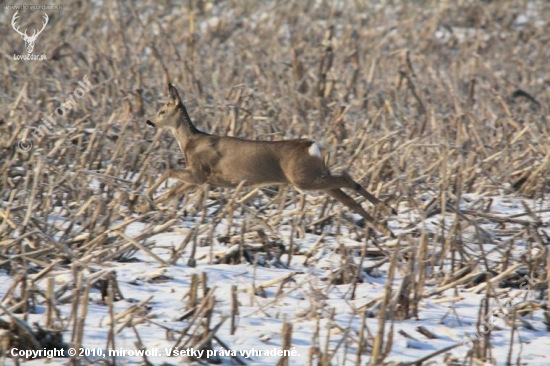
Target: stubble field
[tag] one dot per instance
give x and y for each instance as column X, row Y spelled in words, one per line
column 438, row 108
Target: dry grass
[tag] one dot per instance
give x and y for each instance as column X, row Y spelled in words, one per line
column 422, row 102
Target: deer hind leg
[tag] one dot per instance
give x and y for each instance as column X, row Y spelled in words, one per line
column 363, row 192
column 341, row 181
column 349, row 202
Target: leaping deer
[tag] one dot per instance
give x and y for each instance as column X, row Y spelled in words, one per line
column 225, row 161
column 29, row 41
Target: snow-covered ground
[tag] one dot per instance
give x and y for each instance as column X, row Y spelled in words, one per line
column 306, row 300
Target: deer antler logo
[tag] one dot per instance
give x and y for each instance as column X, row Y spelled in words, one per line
column 29, row 41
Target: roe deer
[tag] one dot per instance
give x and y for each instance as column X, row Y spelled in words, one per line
column 225, row 161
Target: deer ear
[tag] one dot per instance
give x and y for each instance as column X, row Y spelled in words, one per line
column 174, row 95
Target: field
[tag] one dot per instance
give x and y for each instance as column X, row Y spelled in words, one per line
column 439, row 108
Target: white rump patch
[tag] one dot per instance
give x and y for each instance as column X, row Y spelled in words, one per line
column 315, row 149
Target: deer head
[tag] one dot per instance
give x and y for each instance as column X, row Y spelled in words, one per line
column 173, row 115
column 29, row 41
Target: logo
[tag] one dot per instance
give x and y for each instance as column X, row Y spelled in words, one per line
column 29, row 40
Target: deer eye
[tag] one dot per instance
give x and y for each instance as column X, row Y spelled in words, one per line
column 161, row 112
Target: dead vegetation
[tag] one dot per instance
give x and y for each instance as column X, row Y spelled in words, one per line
column 439, row 108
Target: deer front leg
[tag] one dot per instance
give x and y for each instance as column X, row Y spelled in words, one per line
column 188, row 178
column 176, row 191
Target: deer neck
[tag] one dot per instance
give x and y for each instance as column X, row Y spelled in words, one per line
column 184, row 131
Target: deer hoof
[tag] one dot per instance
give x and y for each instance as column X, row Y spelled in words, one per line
column 144, row 207
column 384, row 207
